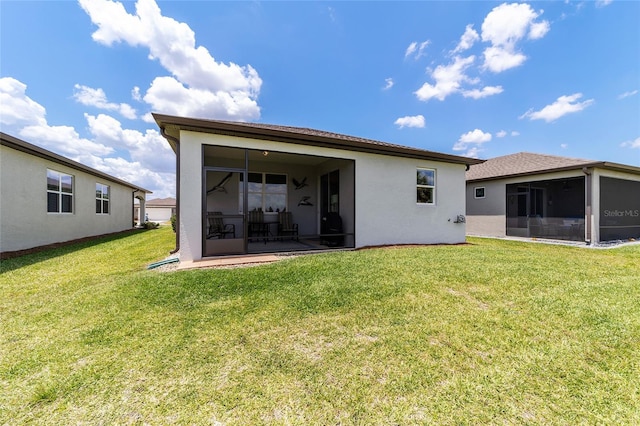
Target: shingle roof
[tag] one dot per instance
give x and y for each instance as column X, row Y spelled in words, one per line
column 526, row 163
column 302, row 135
column 161, row 202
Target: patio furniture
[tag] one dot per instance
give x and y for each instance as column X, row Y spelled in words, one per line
column 257, row 226
column 286, row 227
column 217, row 227
column 331, row 231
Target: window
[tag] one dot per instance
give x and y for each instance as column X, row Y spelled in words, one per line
column 59, row 192
column 102, row 199
column 267, row 191
column 479, row 192
column 426, row 186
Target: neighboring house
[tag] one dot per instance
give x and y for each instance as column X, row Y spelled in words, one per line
column 47, row 198
column 235, row 179
column 158, row 210
column 545, row 196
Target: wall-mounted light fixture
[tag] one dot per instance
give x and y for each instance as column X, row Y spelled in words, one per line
column 265, row 153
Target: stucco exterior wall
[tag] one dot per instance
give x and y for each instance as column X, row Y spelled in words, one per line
column 486, row 216
column 24, row 221
column 159, row 214
column 386, row 211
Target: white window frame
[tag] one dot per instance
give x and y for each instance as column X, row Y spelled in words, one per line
column 59, row 192
column 432, row 187
column 264, row 191
column 100, row 196
column 475, row 192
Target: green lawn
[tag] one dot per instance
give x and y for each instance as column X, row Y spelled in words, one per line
column 492, row 332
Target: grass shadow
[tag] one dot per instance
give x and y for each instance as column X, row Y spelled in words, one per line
column 40, row 254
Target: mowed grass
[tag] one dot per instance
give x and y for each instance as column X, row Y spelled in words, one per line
column 492, row 332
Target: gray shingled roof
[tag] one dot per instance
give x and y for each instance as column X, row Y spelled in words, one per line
column 526, row 163
column 302, row 135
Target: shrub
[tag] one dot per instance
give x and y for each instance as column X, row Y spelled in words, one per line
column 173, row 222
column 151, row 225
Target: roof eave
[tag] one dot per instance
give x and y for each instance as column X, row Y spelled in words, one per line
column 240, row 130
column 23, row 146
column 595, row 164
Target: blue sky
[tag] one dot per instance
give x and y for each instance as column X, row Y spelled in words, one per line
column 480, row 78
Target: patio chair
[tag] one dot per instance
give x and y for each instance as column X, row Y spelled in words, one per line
column 217, row 227
column 257, row 226
column 286, row 227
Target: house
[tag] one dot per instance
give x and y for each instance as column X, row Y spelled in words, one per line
column 48, row 199
column 252, row 188
column 157, row 210
column 546, row 196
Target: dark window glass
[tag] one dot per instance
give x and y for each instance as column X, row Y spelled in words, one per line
column 105, row 207
column 67, row 202
column 52, row 202
column 425, row 195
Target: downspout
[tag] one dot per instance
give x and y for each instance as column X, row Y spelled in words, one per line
column 588, row 202
column 133, row 207
column 177, row 142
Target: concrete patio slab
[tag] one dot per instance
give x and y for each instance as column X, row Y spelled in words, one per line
column 229, row 261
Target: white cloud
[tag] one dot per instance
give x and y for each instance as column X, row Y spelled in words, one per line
column 16, row 108
column 627, row 94
column 498, row 59
column 410, row 49
column 149, row 149
column 603, row 3
column 501, row 134
column 97, row 98
column 482, row 93
column 416, row 49
column 473, row 152
column 475, row 136
column 564, row 145
column 634, row 144
column 152, row 163
column 135, row 94
column 23, row 116
column 515, row 133
column 410, row 121
column 203, row 87
column 388, row 83
column 467, row 39
column 503, row 28
column 64, row 140
column 472, row 141
column 447, row 78
column 562, row 106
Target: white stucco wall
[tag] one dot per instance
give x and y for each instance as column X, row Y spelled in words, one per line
column 386, row 211
column 24, row 221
